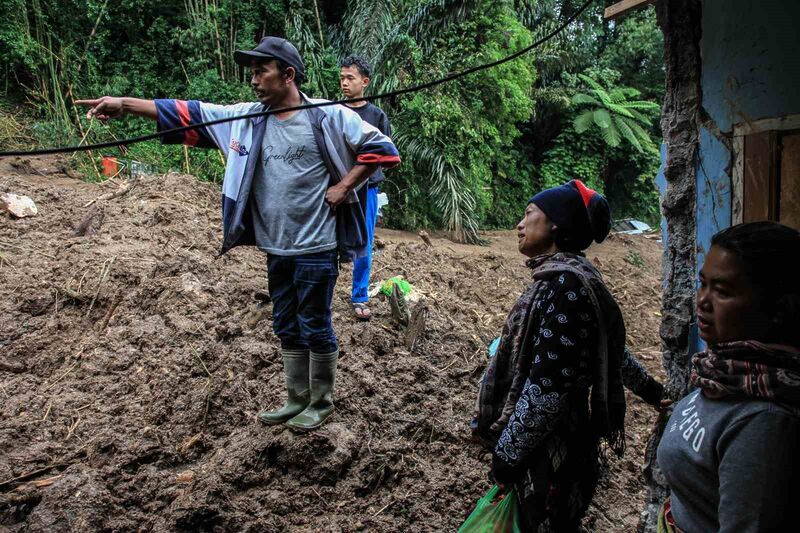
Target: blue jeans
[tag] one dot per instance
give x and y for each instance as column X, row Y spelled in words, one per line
column 301, row 288
column 363, row 265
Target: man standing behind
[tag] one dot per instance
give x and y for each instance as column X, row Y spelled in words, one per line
column 289, row 188
column 354, row 77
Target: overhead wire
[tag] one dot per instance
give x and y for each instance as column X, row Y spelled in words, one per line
column 391, row 94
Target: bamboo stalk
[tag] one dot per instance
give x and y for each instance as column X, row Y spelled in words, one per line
column 92, row 34
column 319, row 24
column 186, row 158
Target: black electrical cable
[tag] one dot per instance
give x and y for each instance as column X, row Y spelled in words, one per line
column 455, row 75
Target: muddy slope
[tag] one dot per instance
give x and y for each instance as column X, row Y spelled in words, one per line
column 133, row 363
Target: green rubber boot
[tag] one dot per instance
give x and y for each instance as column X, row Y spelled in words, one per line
column 295, row 369
column 323, row 375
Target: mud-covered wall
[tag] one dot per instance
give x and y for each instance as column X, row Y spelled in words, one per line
column 680, row 21
column 744, row 67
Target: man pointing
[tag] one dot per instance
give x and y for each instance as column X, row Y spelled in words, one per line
column 289, row 188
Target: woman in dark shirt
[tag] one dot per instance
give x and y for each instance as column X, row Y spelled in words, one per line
column 729, row 452
column 564, row 337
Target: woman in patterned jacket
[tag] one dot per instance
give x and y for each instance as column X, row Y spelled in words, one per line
column 554, row 390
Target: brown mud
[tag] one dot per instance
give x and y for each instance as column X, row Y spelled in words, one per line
column 133, row 363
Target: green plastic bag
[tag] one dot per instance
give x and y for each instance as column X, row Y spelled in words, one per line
column 404, row 286
column 488, row 517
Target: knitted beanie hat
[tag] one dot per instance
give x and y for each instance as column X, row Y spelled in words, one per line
column 580, row 214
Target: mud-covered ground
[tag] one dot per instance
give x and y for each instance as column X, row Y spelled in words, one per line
column 133, row 363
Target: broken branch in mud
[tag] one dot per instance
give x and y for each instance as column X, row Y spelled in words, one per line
column 47, row 413
column 323, row 500
column 91, row 222
column 192, row 441
column 64, row 464
column 425, row 237
column 111, row 309
column 416, row 325
column 72, row 429
column 209, row 385
column 40, row 483
column 124, row 189
column 383, row 508
column 103, row 275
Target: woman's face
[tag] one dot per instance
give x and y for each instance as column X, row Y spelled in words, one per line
column 727, row 303
column 534, row 232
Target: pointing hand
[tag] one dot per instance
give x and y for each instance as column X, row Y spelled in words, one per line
column 103, row 108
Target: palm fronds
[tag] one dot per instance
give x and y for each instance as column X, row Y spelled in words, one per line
column 456, row 202
column 311, row 50
column 365, row 24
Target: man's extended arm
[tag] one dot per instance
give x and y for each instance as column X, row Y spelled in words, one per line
column 109, row 107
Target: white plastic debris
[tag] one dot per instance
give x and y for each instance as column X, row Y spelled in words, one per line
column 382, row 201
column 17, row 205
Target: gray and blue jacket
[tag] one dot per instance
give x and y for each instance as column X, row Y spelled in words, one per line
column 343, row 139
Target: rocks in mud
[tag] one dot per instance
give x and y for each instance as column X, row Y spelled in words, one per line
column 17, row 205
column 192, row 288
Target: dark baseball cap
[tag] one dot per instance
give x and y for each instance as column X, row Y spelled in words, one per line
column 273, row 48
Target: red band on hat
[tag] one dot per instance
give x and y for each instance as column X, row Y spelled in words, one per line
column 586, row 192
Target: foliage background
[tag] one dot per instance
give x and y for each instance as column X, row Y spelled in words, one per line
column 474, row 150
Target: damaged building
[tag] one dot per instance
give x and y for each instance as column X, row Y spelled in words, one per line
column 731, row 153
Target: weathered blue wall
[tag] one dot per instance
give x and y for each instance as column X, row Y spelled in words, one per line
column 751, row 71
column 751, row 65
column 713, row 191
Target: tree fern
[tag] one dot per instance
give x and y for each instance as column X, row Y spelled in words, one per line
column 602, row 118
column 583, row 121
column 615, row 116
column 611, row 135
column 627, row 133
column 581, row 98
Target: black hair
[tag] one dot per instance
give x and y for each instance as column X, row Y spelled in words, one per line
column 283, row 66
column 565, row 240
column 769, row 252
column 359, row 62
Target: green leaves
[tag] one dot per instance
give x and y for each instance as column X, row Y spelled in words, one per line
column 473, row 150
column 627, row 133
column 616, row 117
column 583, row 121
column 456, row 139
column 602, row 118
column 581, row 98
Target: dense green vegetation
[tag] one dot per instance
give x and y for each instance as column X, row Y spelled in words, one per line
column 474, row 150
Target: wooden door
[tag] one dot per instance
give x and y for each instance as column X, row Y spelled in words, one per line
column 789, row 198
column 760, row 176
